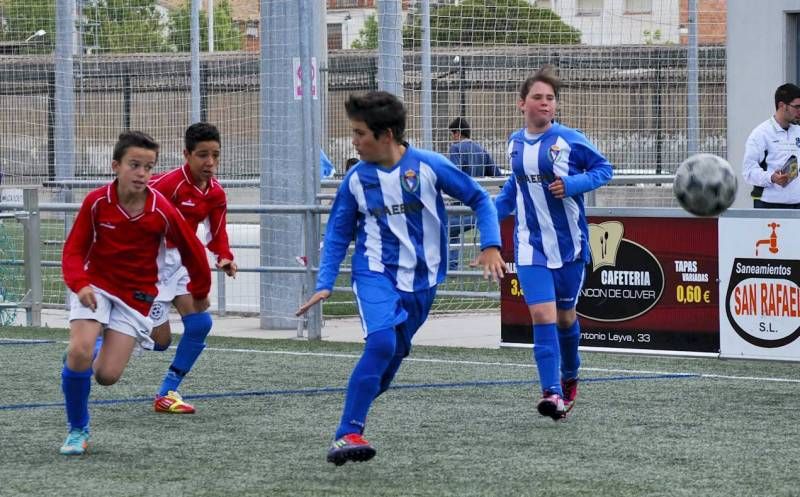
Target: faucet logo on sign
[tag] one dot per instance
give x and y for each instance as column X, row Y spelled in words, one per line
column 772, row 241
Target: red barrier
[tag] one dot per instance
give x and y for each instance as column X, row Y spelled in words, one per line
column 651, row 284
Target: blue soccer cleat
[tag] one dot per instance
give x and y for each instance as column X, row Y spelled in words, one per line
column 77, row 442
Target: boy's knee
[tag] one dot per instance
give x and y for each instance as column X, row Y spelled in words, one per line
column 106, row 378
column 197, row 326
column 79, row 358
column 382, row 344
column 564, row 323
column 161, row 336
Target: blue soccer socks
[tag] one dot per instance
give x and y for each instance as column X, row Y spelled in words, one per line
column 365, row 381
column 195, row 330
column 569, row 339
column 546, row 353
column 76, row 386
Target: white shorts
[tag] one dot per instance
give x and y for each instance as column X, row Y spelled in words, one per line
column 114, row 314
column 173, row 279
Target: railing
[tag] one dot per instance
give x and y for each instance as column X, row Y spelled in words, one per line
column 28, row 214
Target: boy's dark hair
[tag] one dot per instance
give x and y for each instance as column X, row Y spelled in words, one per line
column 786, row 93
column 352, row 161
column 200, row 132
column 546, row 74
column 461, row 125
column 380, row 110
column 130, row 139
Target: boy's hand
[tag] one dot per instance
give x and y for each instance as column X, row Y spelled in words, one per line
column 492, row 262
column 228, row 266
column 557, row 188
column 779, row 178
column 314, row 300
column 87, row 298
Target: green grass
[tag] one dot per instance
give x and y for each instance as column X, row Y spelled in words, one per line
column 12, row 278
column 635, row 432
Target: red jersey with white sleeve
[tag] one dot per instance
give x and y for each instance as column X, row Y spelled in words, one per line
column 198, row 206
column 117, row 253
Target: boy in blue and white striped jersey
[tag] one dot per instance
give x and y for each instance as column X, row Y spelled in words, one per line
column 391, row 204
column 553, row 166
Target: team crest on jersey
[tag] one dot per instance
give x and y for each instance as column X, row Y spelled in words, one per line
column 410, row 181
column 553, row 153
column 157, row 311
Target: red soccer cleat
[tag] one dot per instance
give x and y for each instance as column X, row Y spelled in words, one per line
column 552, row 405
column 172, row 403
column 351, row 447
column 570, row 389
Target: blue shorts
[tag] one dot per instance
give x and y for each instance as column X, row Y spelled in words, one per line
column 381, row 305
column 562, row 285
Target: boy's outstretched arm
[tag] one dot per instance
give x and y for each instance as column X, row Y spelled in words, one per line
column 314, row 300
column 493, row 264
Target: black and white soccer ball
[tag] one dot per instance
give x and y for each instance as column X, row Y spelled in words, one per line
column 705, row 185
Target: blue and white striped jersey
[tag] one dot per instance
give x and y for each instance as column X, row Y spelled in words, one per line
column 397, row 217
column 549, row 231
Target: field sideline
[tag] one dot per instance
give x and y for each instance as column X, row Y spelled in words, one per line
column 458, row 422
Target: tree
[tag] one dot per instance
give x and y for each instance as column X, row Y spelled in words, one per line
column 489, row 22
column 481, row 22
column 117, row 26
column 106, row 25
column 368, row 35
column 123, row 26
column 22, row 18
column 226, row 35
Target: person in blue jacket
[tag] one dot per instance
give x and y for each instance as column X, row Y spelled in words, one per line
column 469, row 156
column 326, row 169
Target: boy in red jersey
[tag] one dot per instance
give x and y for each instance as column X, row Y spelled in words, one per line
column 195, row 192
column 109, row 262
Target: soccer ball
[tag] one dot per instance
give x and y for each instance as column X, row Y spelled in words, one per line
column 705, row 185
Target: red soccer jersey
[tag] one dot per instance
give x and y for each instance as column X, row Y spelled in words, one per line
column 198, row 206
column 116, row 252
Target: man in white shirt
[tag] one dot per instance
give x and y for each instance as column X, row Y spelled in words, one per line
column 771, row 154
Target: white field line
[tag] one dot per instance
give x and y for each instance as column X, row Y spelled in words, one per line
column 516, row 365
column 477, row 363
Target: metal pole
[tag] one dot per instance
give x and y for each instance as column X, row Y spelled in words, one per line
column 692, row 86
column 462, row 90
column 127, row 94
column 210, row 13
column 221, row 293
column 390, row 47
column 311, row 155
column 427, row 110
column 194, row 41
column 281, row 158
column 33, row 262
column 64, row 129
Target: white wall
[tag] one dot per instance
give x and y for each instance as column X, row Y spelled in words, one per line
column 613, row 27
column 757, row 55
column 350, row 27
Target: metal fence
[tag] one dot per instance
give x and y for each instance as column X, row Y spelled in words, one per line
column 32, row 233
column 630, row 101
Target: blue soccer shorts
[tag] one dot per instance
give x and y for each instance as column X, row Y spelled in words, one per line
column 562, row 285
column 381, row 305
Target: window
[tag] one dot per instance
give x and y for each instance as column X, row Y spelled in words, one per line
column 334, row 36
column 350, row 4
column 589, row 7
column 638, row 6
